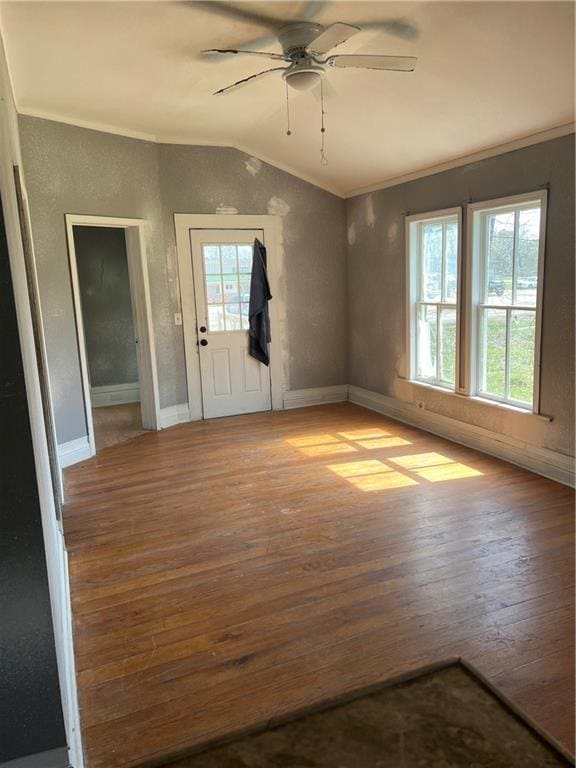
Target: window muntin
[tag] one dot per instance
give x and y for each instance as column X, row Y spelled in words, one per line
column 434, row 292
column 507, row 265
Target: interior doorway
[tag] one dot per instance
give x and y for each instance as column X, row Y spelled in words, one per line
column 113, row 322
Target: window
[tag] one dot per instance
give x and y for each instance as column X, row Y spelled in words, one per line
column 227, row 271
column 434, row 254
column 493, row 350
column 506, row 251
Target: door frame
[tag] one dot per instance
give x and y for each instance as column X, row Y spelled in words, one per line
column 141, row 310
column 272, row 228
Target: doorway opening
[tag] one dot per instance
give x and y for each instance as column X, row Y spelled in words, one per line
column 110, row 334
column 114, row 329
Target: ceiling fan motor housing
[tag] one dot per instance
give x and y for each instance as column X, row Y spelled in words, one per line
column 295, row 38
column 303, row 73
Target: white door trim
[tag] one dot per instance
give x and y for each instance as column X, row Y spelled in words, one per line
column 142, row 309
column 272, row 228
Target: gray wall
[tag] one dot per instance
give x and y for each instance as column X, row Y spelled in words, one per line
column 204, row 179
column 76, row 170
column 376, row 285
column 106, row 305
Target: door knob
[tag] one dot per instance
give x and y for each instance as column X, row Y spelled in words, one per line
column 202, row 329
column 203, row 342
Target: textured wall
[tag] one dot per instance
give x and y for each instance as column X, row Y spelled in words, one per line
column 75, row 170
column 376, row 284
column 106, row 305
column 209, row 179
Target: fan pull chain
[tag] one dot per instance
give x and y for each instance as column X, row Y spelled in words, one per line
column 288, row 131
column 323, row 158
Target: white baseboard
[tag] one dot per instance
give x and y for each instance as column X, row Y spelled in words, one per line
column 74, row 451
column 174, row 414
column 115, row 394
column 301, row 398
column 542, row 461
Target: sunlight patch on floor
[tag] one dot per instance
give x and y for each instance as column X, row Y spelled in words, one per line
column 376, row 475
column 364, row 434
column 435, row 467
column 371, row 475
column 383, row 442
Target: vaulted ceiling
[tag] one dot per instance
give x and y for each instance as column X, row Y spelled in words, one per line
column 488, row 73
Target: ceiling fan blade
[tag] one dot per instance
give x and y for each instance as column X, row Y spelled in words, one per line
column 274, row 56
column 246, row 80
column 332, row 36
column 236, row 12
column 396, row 63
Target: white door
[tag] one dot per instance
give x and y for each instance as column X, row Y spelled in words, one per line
column 232, row 381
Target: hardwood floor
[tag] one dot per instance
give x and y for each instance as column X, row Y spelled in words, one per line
column 227, row 571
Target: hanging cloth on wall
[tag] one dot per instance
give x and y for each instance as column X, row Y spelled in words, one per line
column 258, row 315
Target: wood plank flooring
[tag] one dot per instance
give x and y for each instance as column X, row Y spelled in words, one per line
column 228, row 571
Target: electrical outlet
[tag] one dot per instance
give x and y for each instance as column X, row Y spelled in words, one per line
column 178, row 318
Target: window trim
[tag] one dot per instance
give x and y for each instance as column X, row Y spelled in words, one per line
column 474, row 268
column 412, row 279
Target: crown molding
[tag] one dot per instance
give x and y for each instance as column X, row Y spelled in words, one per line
column 89, row 124
column 483, row 154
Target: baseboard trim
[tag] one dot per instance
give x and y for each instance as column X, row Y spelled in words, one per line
column 115, row 394
column 74, row 451
column 52, row 758
column 174, row 414
column 542, row 461
column 301, row 398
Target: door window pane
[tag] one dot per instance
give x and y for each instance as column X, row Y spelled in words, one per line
column 244, row 258
column 211, row 259
column 228, row 256
column 527, row 257
column 230, row 283
column 493, row 324
column 426, row 342
column 232, row 314
column 244, row 280
column 448, row 345
column 216, row 318
column 522, row 340
column 432, row 262
column 213, row 289
column 500, row 256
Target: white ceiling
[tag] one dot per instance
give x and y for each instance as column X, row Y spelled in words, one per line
column 488, row 73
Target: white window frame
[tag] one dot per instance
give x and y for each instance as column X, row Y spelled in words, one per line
column 413, row 279
column 475, row 254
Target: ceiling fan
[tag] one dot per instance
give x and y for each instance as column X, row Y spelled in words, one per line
column 304, row 45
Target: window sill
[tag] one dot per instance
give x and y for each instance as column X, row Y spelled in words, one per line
column 476, row 399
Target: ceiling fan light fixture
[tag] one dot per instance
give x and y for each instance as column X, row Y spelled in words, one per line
column 303, row 78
